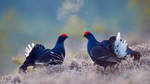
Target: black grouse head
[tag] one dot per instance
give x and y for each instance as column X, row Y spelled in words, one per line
column 88, row 35
column 62, row 37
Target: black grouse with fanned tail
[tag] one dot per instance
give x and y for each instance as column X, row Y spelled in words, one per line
column 108, row 52
column 128, row 51
column 39, row 55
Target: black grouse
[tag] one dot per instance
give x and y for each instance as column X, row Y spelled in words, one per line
column 38, row 54
column 108, row 52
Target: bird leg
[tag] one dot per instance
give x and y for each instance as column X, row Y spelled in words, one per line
column 112, row 68
column 104, row 72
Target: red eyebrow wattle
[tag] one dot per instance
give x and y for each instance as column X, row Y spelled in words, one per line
column 85, row 33
column 63, row 35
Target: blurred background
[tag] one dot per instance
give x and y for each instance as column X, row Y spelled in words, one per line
column 42, row 21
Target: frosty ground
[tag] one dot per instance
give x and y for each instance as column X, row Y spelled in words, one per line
column 79, row 69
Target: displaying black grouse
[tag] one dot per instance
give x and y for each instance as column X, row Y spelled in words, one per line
column 38, row 54
column 121, row 49
column 108, row 52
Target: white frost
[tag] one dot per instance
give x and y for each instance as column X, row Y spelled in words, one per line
column 29, row 49
column 120, row 46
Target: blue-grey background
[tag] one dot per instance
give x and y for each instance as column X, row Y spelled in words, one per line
column 42, row 21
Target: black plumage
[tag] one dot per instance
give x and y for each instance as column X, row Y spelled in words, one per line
column 103, row 57
column 103, row 54
column 135, row 54
column 40, row 55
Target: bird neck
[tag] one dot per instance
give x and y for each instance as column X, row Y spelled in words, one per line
column 92, row 40
column 91, row 43
column 59, row 47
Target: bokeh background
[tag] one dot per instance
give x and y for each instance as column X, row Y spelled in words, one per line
column 42, row 21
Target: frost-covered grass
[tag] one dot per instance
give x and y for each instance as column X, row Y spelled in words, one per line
column 79, row 69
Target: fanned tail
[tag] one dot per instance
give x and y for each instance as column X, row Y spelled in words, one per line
column 120, row 47
column 32, row 52
column 29, row 49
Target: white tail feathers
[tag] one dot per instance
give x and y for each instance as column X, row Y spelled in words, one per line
column 29, row 49
column 120, row 46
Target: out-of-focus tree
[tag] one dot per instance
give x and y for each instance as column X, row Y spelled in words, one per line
column 75, row 26
column 143, row 7
column 8, row 28
column 99, row 26
column 2, row 48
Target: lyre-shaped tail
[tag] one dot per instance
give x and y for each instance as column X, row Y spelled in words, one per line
column 120, row 46
column 29, row 49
